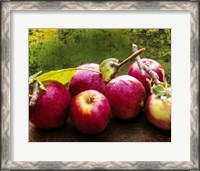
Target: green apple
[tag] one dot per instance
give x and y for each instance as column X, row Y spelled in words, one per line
column 158, row 111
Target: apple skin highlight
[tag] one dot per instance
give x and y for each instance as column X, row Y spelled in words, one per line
column 158, row 112
column 125, row 95
column 87, row 80
column 90, row 112
column 50, row 110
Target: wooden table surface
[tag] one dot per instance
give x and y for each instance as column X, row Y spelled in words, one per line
column 137, row 129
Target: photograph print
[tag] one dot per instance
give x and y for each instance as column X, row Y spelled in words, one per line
column 99, row 85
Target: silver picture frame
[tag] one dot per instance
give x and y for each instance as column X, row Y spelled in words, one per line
column 9, row 6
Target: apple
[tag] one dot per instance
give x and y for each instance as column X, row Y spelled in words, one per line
column 87, row 80
column 158, row 112
column 50, row 109
column 135, row 72
column 90, row 112
column 126, row 96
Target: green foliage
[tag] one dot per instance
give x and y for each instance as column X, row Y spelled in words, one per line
column 53, row 49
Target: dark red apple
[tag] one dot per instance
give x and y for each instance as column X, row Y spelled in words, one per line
column 87, row 80
column 50, row 109
column 135, row 72
column 90, row 112
column 158, row 112
column 125, row 95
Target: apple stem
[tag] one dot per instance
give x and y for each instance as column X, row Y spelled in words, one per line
column 128, row 59
column 144, row 67
column 34, row 96
column 90, row 99
column 134, row 55
column 140, row 64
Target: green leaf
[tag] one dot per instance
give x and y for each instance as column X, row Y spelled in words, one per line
column 159, row 90
column 62, row 76
column 108, row 67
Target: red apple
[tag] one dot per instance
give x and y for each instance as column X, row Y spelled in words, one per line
column 158, row 112
column 90, row 112
column 87, row 80
column 125, row 95
column 50, row 109
column 135, row 72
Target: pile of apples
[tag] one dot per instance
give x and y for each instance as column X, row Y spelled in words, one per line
column 94, row 94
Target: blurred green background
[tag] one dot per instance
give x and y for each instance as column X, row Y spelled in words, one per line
column 52, row 49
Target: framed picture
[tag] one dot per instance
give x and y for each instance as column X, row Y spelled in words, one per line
column 71, row 96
